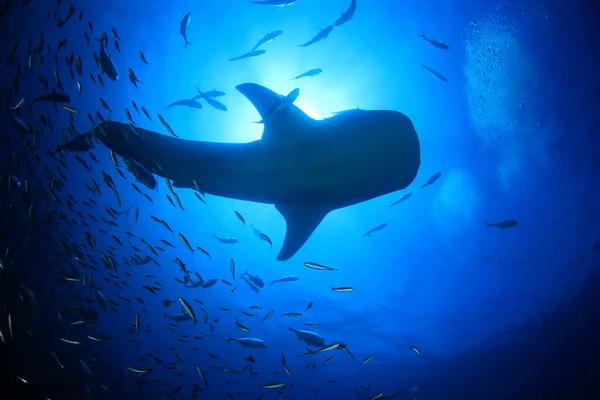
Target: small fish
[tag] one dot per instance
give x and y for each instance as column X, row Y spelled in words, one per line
column 210, row 93
column 56, row 358
column 285, row 279
column 330, row 347
column 202, row 376
column 319, row 36
column 284, row 103
column 69, row 341
column 269, row 37
column 241, row 327
column 85, row 367
column 254, row 279
column 143, row 58
column 78, row 65
column 137, row 371
column 348, row 15
column 330, row 359
column 377, row 228
column 106, row 63
column 146, row 113
column 254, row 53
column 10, row 327
column 266, row 239
column 432, row 179
column 291, row 314
column 308, row 73
column 187, row 103
column 342, row 289
column 54, row 96
column 239, row 216
column 284, row 365
column 188, row 309
column 318, row 267
column 278, row 3
column 417, row 352
column 435, row 43
column 226, row 240
column 400, row 199
column 115, row 34
column 70, row 109
column 435, row 73
column 183, row 28
column 215, row 104
column 166, row 125
column 309, row 306
column 367, row 359
column 251, row 285
column 507, row 223
column 269, row 314
column 19, row 104
column 133, row 77
column 105, row 104
column 185, row 242
column 201, row 250
column 128, row 115
column 274, row 385
column 135, row 107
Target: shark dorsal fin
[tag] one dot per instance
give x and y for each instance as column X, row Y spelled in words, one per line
column 282, row 119
column 301, row 221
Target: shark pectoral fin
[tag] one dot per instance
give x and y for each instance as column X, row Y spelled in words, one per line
column 301, row 221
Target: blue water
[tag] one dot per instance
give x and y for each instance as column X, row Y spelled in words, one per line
column 447, row 308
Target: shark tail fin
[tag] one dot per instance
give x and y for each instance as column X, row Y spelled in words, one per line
column 187, row 43
column 488, row 225
column 421, row 34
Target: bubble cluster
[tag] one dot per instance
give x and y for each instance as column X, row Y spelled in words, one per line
column 499, row 82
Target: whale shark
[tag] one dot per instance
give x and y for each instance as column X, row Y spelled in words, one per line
column 306, row 168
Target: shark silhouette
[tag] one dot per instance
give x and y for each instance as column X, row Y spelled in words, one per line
column 305, row 167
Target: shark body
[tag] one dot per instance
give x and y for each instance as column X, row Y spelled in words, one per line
column 305, row 167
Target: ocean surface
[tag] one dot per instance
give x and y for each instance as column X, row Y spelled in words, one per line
column 328, row 199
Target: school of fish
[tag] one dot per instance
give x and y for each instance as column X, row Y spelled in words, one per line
column 89, row 242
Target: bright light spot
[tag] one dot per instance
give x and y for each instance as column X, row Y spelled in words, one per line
column 308, row 109
column 455, row 205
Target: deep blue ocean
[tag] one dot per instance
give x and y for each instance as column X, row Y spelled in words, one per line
column 154, row 244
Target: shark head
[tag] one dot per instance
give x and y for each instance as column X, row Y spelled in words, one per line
column 306, row 168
